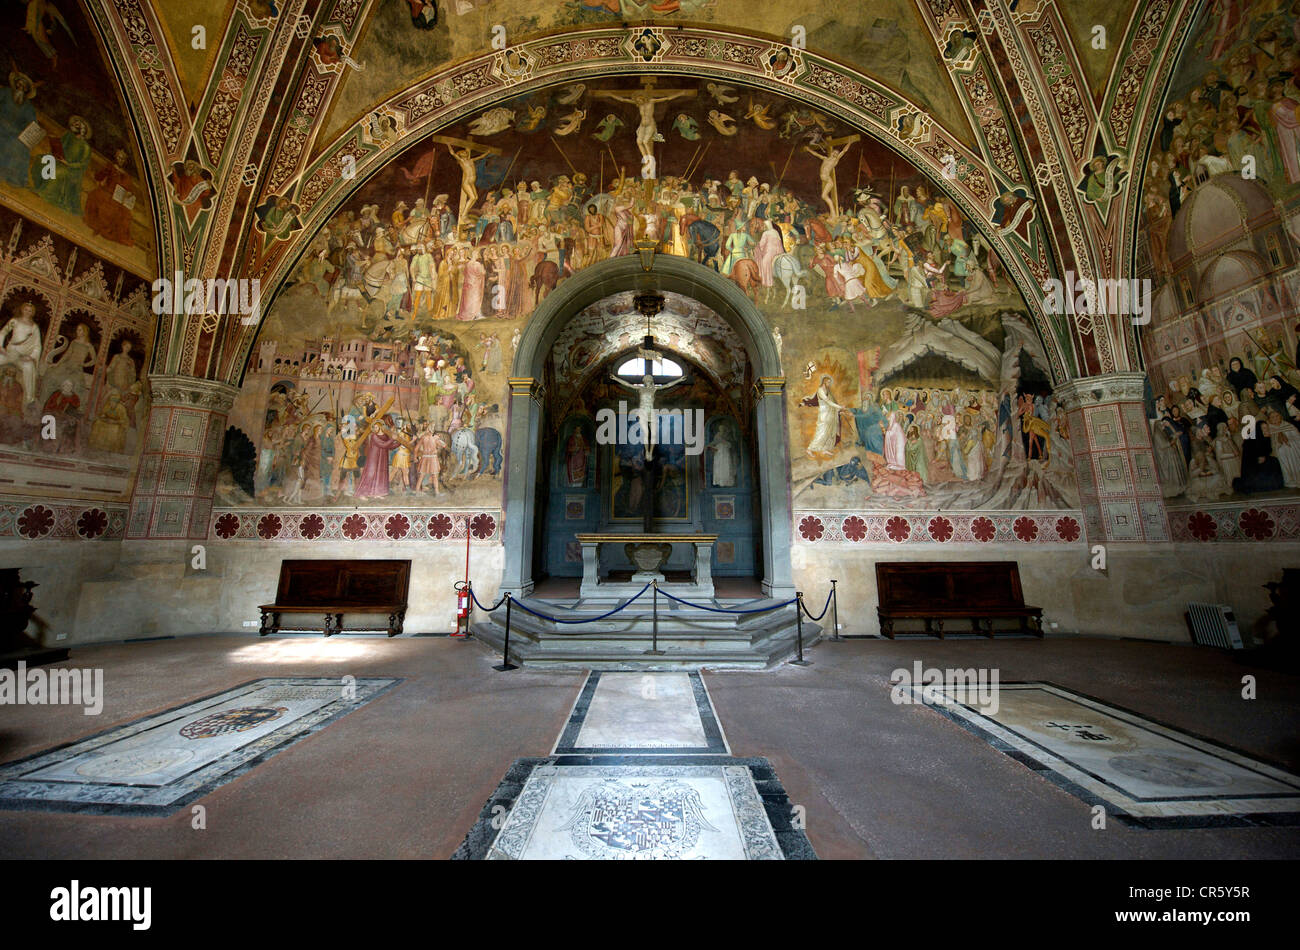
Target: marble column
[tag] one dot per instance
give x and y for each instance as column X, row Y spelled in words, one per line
column 774, row 487
column 523, row 445
column 1110, row 437
column 177, row 475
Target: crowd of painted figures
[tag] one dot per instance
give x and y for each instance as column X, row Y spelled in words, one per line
column 918, row 439
column 1249, row 105
column 40, row 384
column 418, row 262
column 314, row 453
column 1200, row 427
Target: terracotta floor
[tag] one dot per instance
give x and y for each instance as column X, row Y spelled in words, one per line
column 406, row 774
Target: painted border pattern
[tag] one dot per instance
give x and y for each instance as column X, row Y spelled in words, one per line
column 362, row 524
column 1237, row 521
column 51, row 521
column 956, row 527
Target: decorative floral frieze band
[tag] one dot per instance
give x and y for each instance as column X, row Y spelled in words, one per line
column 1243, row 521
column 372, row 524
column 964, row 527
column 45, row 521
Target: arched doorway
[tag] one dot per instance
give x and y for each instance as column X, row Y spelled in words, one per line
column 526, row 424
column 593, row 455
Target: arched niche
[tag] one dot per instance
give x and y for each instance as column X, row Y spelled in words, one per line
column 523, row 434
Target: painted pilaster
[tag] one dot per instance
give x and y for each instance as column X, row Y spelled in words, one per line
column 177, row 475
column 1119, row 490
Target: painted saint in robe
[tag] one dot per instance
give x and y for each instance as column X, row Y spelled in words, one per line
column 72, row 158
column 827, row 433
column 576, row 454
column 374, row 474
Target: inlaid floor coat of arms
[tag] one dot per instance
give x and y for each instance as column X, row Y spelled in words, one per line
column 641, row 771
column 160, row 763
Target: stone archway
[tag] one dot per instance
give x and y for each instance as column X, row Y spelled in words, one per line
column 523, row 433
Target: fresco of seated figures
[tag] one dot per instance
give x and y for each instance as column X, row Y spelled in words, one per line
column 67, row 158
column 915, row 379
column 1221, row 224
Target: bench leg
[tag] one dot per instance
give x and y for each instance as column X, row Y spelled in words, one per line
column 886, row 625
column 988, row 627
column 266, row 624
column 938, row 627
column 395, row 620
column 329, row 624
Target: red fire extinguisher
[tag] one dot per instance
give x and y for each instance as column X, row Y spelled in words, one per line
column 462, row 608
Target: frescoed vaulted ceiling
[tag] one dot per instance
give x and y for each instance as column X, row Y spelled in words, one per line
column 290, row 95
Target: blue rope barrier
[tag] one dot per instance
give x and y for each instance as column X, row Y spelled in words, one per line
column 825, row 607
column 622, row 606
column 474, row 597
column 727, row 610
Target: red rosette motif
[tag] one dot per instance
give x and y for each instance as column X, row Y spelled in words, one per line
column 898, row 529
column 311, row 527
column 1026, row 529
column 854, row 528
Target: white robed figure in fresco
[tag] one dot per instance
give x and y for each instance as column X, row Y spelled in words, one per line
column 724, row 458
column 896, row 442
column 20, row 345
column 828, row 421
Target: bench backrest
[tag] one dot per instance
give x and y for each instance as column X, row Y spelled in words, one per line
column 360, row 583
column 948, row 584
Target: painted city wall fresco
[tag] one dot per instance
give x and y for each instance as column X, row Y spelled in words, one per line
column 1222, row 217
column 74, row 336
column 67, row 158
column 914, row 379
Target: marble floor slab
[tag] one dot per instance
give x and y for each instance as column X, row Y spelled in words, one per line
column 642, row 713
column 624, row 808
column 1150, row 774
column 159, row 763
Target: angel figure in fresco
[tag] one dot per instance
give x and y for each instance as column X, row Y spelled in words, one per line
column 41, row 16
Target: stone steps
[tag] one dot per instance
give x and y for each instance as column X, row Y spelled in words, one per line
column 690, row 639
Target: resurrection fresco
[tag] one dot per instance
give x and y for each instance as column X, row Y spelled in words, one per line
column 1220, row 214
column 914, row 377
column 67, row 157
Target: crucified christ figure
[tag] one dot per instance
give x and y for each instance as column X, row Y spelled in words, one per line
column 465, row 158
column 645, row 101
column 646, row 406
column 830, row 158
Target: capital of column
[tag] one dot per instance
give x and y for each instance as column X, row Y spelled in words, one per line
column 525, row 386
column 769, row 386
column 191, row 392
column 1096, row 390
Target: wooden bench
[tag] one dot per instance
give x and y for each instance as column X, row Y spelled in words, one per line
column 333, row 588
column 936, row 591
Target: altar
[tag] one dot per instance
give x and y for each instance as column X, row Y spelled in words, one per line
column 648, row 552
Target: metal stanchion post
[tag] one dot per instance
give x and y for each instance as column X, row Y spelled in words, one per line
column 654, row 634
column 505, row 665
column 835, row 610
column 798, row 614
